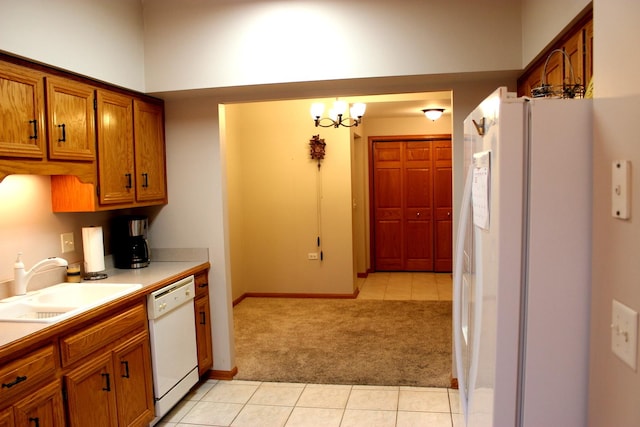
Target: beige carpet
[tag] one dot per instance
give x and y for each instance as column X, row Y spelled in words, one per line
column 344, row 341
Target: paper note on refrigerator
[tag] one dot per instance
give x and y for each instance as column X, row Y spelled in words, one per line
column 480, row 189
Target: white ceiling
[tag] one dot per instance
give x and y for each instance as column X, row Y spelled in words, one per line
column 403, row 105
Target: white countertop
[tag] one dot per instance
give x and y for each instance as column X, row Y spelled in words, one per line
column 157, row 271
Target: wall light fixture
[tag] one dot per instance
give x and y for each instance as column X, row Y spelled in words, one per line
column 336, row 114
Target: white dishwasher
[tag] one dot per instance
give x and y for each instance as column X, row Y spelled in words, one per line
column 173, row 343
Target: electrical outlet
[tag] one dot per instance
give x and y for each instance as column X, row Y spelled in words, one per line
column 312, row 255
column 67, row 243
column 624, row 333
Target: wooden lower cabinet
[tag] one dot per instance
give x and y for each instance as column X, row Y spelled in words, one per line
column 110, row 381
column 91, row 399
column 42, row 408
column 6, row 417
column 113, row 389
column 203, row 334
column 133, row 382
column 202, row 308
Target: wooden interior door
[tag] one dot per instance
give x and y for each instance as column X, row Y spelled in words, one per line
column 443, row 206
column 387, row 159
column 411, row 205
column 417, row 190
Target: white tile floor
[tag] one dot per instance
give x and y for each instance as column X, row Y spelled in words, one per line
column 265, row 404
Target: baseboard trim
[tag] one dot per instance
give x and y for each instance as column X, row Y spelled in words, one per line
column 238, row 300
column 214, row 374
column 363, row 275
column 454, row 383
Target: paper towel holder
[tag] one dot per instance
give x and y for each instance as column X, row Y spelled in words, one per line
column 95, row 275
column 93, row 247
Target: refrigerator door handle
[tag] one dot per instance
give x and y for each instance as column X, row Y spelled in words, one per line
column 457, row 289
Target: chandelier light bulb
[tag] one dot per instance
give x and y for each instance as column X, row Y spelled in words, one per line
column 317, row 108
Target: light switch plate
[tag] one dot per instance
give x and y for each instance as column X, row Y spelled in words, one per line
column 624, row 333
column 67, row 243
column 620, row 189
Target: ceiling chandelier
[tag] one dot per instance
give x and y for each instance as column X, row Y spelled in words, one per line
column 433, row 113
column 336, row 114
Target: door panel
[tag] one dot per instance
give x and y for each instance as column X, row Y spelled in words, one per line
column 443, row 204
column 388, row 206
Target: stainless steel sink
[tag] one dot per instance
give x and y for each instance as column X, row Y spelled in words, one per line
column 61, row 301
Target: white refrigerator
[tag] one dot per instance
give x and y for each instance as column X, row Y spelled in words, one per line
column 522, row 268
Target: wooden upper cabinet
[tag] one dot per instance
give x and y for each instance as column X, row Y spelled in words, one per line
column 588, row 57
column 149, row 151
column 115, row 148
column 22, row 133
column 576, row 47
column 71, row 123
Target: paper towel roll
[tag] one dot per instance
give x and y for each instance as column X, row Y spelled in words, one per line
column 93, row 248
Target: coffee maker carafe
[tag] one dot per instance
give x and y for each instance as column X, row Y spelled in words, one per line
column 129, row 237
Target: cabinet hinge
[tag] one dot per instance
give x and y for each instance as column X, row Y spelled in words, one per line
column 95, row 103
column 64, row 394
column 98, row 190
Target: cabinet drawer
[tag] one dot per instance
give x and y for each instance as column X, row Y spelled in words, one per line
column 27, row 372
column 78, row 345
column 202, row 284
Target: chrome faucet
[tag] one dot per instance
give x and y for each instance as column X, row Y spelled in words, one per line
column 21, row 277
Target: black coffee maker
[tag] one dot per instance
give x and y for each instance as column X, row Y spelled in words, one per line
column 129, row 241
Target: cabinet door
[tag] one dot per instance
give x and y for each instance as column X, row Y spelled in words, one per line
column 115, row 148
column 574, row 50
column 149, row 151
column 6, row 417
column 71, row 124
column 91, row 394
column 22, row 133
column 203, row 334
column 43, row 408
column 134, row 386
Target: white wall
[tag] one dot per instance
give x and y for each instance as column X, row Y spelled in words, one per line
column 102, row 39
column 614, row 387
column 196, row 214
column 27, row 225
column 192, row 44
column 543, row 20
